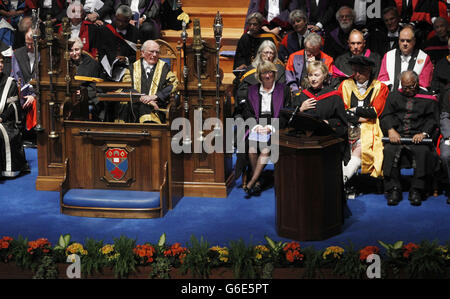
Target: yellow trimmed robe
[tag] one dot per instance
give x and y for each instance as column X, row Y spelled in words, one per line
column 161, row 82
column 369, row 105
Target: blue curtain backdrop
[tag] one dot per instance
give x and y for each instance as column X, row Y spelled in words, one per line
column 35, row 214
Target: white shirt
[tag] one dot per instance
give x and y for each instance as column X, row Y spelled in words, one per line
column 266, row 101
column 404, row 62
column 362, row 87
column 266, row 105
column 147, row 67
column 274, row 10
column 75, row 31
column 134, row 5
column 14, row 4
column 47, row 4
column 360, row 11
column 31, row 57
column 393, row 34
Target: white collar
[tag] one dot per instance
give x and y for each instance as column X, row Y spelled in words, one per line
column 146, row 65
column 393, row 34
column 262, row 90
column 360, row 85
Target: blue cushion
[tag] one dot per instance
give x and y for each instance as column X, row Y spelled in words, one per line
column 103, row 198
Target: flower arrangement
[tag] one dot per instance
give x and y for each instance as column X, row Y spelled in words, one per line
column 333, row 253
column 76, row 248
column 177, row 253
column 198, row 258
column 261, row 252
column 222, row 254
column 366, row 251
column 5, row 254
column 109, row 253
column 293, row 252
column 39, row 246
column 145, row 254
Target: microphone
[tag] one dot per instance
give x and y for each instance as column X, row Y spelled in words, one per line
column 293, row 113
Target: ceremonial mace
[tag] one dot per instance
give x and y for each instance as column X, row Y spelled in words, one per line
column 184, row 35
column 35, row 31
column 197, row 45
column 49, row 39
column 217, row 27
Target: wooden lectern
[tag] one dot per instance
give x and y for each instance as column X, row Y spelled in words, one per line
column 308, row 182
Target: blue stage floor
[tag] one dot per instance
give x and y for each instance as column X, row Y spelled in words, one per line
column 34, row 214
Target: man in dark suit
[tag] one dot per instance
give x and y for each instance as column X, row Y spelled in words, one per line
column 145, row 17
column 117, row 49
column 382, row 41
column 336, row 40
column 22, row 70
column 295, row 40
column 55, row 8
column 320, row 13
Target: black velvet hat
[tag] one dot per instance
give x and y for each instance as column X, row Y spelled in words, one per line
column 361, row 60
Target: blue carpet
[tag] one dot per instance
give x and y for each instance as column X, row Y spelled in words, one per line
column 36, row 214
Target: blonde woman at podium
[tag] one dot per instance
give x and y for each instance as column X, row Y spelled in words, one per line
column 321, row 101
column 264, row 103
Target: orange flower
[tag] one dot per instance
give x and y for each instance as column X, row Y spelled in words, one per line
column 292, row 251
column 409, row 248
column 366, row 251
column 146, row 252
column 41, row 243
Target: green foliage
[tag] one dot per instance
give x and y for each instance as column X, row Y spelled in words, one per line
column 242, row 259
column 47, row 269
column 21, row 257
column 350, row 265
column 312, row 262
column 94, row 260
column 161, row 268
column 427, row 261
column 126, row 262
column 276, row 250
column 198, row 259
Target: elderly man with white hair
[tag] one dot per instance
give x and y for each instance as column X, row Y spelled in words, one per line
column 153, row 78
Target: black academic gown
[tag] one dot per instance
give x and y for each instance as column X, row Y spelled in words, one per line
column 330, row 108
column 410, row 116
column 12, row 155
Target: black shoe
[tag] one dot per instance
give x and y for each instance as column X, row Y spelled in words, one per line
column 26, row 169
column 257, row 189
column 415, row 198
column 393, row 197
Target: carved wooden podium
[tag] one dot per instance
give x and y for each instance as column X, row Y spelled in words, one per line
column 308, row 187
column 205, row 175
column 101, row 169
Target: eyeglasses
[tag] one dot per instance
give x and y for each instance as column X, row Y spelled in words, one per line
column 411, row 87
column 268, row 53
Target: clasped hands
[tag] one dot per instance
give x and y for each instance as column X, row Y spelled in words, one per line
column 150, row 100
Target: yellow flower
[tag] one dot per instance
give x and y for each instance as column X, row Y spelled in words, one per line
column 223, row 253
column 107, row 249
column 76, row 248
column 335, row 251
